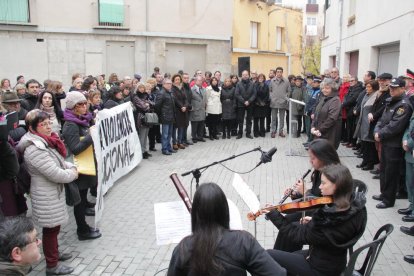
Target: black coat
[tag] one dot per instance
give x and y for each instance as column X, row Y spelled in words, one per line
column 29, row 101
column 112, row 103
column 228, row 103
column 237, row 252
column 379, row 106
column 351, row 99
column 72, row 134
column 245, row 91
column 394, row 120
column 329, row 234
column 165, row 107
column 261, row 104
column 180, row 100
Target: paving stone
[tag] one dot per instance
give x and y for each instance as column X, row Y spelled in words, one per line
column 128, row 243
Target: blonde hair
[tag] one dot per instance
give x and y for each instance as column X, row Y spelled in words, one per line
column 152, row 81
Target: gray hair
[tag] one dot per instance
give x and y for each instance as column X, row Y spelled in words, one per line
column 14, row 233
column 331, row 83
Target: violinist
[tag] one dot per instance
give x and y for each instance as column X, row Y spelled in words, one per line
column 214, row 249
column 330, row 231
column 321, row 153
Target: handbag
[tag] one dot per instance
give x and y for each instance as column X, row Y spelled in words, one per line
column 151, row 118
column 72, row 194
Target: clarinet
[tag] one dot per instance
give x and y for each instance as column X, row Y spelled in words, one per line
column 181, row 191
column 291, row 190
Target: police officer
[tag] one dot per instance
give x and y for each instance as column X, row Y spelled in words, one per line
column 389, row 131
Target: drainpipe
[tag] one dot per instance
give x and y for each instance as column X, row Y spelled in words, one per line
column 288, row 56
column 146, row 39
column 338, row 49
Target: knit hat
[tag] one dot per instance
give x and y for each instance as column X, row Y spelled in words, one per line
column 73, row 98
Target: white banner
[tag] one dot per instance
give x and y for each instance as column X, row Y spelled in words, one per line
column 117, row 148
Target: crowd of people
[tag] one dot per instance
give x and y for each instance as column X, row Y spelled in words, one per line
column 373, row 117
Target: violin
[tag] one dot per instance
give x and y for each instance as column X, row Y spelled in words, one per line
column 294, row 206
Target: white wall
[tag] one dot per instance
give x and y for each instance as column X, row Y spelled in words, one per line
column 377, row 22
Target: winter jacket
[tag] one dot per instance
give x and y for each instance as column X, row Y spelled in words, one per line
column 142, row 105
column 328, row 119
column 237, row 252
column 379, row 106
column 198, row 104
column 11, row 269
column 49, row 171
column 245, row 91
column 72, row 134
column 180, row 100
column 329, row 234
column 299, row 94
column 213, row 105
column 408, row 155
column 228, row 103
column 312, row 101
column 394, row 121
column 350, row 99
column 165, row 107
column 365, row 131
column 279, row 90
column 29, row 101
column 261, row 104
column 112, row 103
column 343, row 91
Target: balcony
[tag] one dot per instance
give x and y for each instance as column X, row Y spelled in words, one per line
column 110, row 15
column 18, row 12
column 312, row 8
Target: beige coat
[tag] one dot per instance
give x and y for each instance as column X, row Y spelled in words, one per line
column 48, row 171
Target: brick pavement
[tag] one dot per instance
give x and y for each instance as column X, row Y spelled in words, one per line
column 128, row 245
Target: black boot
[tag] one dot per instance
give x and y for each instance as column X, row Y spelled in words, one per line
column 224, row 135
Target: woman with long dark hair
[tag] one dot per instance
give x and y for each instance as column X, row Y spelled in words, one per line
column 181, row 112
column 48, row 103
column 331, row 230
column 214, row 249
column 321, row 153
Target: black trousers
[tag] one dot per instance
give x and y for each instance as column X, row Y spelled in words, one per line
column 228, row 126
column 79, row 212
column 369, row 153
column 268, row 119
column 295, row 263
column 392, row 160
column 154, row 135
column 259, row 126
column 344, row 131
column 350, row 128
column 287, row 120
column 241, row 112
column 299, row 129
column 197, row 130
column 213, row 121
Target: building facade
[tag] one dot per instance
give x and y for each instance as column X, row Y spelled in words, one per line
column 376, row 35
column 53, row 39
column 266, row 36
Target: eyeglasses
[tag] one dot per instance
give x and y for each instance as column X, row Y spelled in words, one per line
column 82, row 104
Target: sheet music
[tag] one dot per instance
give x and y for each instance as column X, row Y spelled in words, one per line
column 173, row 221
column 246, row 193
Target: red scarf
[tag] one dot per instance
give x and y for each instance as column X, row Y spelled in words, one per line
column 54, row 142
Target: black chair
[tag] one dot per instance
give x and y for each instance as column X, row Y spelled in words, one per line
column 359, row 186
column 374, row 249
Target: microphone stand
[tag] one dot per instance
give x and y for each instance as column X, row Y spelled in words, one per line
column 197, row 172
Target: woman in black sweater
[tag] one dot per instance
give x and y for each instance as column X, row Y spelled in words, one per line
column 214, row 249
column 331, row 230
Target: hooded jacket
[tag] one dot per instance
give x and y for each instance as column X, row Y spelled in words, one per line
column 11, row 269
column 329, row 234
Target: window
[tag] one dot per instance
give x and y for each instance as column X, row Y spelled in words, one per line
column 279, row 35
column 14, row 11
column 254, row 30
column 278, row 1
column 311, row 1
column 311, row 21
column 111, row 12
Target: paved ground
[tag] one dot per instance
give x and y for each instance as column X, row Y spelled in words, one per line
column 128, row 245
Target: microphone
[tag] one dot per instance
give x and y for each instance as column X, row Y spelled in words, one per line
column 267, row 156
